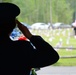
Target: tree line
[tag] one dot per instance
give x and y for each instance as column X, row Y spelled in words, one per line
column 46, row 10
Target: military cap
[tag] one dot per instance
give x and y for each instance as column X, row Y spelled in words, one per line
column 9, row 10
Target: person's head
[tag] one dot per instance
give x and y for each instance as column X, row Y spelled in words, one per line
column 8, row 14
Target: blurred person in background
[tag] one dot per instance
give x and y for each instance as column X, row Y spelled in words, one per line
column 74, row 27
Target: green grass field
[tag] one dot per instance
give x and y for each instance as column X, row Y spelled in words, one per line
column 68, row 58
column 63, row 38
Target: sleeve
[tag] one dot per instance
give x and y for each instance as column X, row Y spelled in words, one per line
column 44, row 55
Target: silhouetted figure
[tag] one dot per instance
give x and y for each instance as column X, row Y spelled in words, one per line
column 18, row 57
column 74, row 26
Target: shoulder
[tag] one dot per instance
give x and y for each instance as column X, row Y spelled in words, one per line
column 22, row 44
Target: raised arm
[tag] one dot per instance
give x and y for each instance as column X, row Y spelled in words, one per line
column 24, row 29
column 44, row 54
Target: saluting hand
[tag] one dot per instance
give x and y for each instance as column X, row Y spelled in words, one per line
column 24, row 29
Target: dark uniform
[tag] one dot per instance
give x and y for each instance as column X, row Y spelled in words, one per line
column 75, row 30
column 18, row 57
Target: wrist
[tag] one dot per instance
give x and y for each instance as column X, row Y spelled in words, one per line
column 29, row 37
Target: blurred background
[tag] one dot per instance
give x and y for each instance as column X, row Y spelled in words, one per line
column 55, row 21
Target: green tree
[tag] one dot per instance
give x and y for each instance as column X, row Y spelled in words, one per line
column 45, row 10
column 73, row 7
column 62, row 11
column 6, row 0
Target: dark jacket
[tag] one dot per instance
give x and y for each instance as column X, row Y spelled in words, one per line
column 18, row 57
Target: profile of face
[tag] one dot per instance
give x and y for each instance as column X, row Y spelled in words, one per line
column 7, row 26
column 8, row 13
